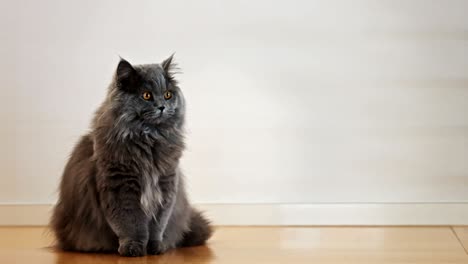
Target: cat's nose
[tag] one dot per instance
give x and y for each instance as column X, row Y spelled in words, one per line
column 161, row 108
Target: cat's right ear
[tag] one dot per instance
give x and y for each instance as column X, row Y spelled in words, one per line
column 127, row 76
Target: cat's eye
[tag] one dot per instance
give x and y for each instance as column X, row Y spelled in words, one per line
column 167, row 95
column 146, row 96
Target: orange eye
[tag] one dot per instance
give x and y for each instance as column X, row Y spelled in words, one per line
column 146, row 96
column 167, row 95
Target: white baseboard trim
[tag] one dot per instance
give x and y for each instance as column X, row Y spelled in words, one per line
column 289, row 214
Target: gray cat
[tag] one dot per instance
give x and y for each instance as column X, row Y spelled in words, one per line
column 122, row 189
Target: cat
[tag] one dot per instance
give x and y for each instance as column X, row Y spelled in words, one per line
column 122, row 189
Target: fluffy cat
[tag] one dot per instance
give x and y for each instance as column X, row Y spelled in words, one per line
column 122, row 189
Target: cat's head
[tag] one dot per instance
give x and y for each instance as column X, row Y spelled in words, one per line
column 147, row 94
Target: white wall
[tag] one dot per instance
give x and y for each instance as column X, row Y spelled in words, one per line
column 289, row 101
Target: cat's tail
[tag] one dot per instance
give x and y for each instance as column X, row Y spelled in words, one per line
column 200, row 230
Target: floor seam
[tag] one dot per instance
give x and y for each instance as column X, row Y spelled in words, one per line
column 459, row 240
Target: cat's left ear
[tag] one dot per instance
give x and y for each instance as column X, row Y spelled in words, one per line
column 169, row 66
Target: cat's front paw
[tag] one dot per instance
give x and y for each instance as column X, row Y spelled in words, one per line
column 132, row 249
column 156, row 247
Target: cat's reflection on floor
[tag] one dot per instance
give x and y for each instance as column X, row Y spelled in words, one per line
column 201, row 254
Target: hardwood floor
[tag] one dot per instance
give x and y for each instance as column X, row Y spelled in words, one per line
column 462, row 234
column 322, row 245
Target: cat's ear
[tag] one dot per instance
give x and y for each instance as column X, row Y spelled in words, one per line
column 127, row 76
column 169, row 67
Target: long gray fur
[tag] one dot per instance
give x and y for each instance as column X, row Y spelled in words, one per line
column 122, row 188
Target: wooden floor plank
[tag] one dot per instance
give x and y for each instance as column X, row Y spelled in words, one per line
column 266, row 245
column 462, row 235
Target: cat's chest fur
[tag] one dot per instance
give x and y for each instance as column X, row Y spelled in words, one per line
column 163, row 159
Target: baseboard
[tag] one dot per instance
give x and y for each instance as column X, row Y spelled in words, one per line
column 289, row 214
